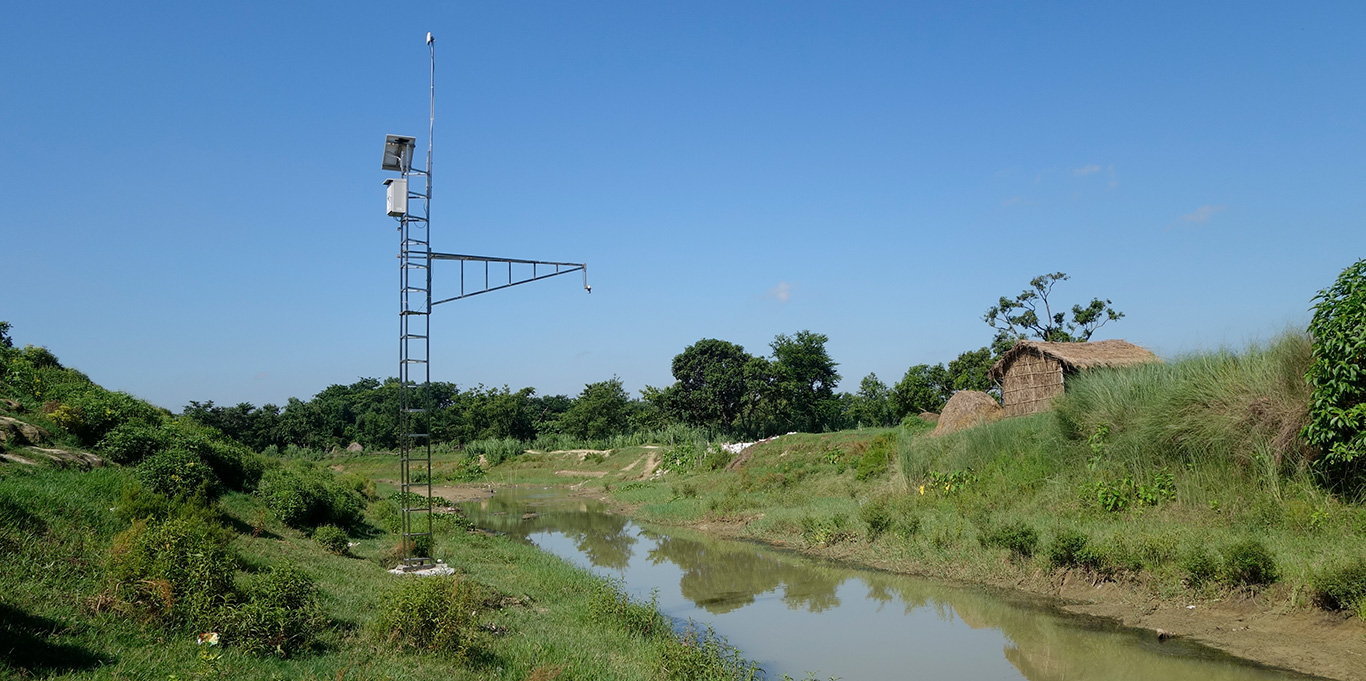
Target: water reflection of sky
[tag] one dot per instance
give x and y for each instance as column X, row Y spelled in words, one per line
column 794, row 616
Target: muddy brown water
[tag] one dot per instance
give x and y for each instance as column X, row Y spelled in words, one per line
column 802, row 617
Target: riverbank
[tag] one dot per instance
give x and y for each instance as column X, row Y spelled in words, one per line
column 64, row 615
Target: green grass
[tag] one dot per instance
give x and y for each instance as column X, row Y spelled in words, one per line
column 56, row 527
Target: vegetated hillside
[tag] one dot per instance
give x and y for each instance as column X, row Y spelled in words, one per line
column 141, row 545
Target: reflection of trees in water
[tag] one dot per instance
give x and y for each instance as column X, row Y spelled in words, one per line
column 600, row 536
column 1049, row 646
column 723, row 576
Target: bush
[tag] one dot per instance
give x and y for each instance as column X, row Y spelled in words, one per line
column 94, row 413
column 878, row 457
column 1068, row 549
column 1337, row 410
column 280, row 616
column 235, row 466
column 130, row 443
column 302, row 496
column 331, row 538
column 611, row 607
column 174, row 473
column 1342, row 587
column 433, row 614
column 1249, row 563
column 176, row 570
column 877, row 516
column 1017, row 537
column 1201, row 568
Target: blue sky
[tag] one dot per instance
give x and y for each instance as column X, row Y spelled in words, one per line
column 191, row 207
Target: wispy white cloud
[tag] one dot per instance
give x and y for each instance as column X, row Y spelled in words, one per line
column 782, row 292
column 1202, row 214
column 1086, row 170
column 1110, row 169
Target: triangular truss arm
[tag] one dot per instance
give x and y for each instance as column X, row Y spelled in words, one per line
column 513, row 276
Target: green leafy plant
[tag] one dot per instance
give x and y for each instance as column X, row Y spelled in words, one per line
column 877, row 457
column 1201, row 568
column 332, row 538
column 825, row 531
column 877, row 517
column 432, row 614
column 1337, row 407
column 1341, row 587
column 1017, row 537
column 281, row 614
column 1249, row 563
column 174, row 473
column 1068, row 549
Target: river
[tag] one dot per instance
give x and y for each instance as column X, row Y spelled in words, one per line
column 798, row 616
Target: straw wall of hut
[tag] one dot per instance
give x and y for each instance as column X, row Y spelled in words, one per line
column 1031, row 383
column 1032, row 373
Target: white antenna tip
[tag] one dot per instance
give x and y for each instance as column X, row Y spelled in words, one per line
column 429, row 37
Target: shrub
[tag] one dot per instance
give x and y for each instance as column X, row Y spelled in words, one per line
column 877, row 516
column 1249, row 563
column 179, row 569
column 1201, row 568
column 1337, row 409
column 280, row 616
column 130, row 443
column 699, row 653
column 95, row 412
column 1017, row 537
column 824, row 531
column 139, row 503
column 235, row 466
column 878, row 456
column 174, row 473
column 1342, row 587
column 1068, row 549
column 611, row 607
column 331, row 538
column 301, row 496
column 433, row 614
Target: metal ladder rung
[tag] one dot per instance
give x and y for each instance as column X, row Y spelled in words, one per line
column 414, row 312
column 414, row 361
column 411, row 336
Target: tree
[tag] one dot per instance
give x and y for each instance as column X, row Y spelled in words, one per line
column 601, row 410
column 806, row 379
column 1030, row 314
column 871, row 405
column 1337, row 376
column 969, row 371
column 5, row 340
column 711, row 383
column 925, row 387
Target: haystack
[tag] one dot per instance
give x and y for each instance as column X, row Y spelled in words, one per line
column 1032, row 373
column 967, row 408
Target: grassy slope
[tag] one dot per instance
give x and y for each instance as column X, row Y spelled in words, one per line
column 55, row 526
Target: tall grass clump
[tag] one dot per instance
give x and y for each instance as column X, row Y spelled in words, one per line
column 1244, row 410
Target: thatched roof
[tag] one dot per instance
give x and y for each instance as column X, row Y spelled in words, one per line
column 1073, row 356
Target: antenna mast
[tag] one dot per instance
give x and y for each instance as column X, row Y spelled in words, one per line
column 415, row 309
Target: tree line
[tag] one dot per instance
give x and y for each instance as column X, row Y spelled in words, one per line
column 718, row 386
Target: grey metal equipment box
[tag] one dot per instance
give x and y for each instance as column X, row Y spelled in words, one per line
column 396, row 201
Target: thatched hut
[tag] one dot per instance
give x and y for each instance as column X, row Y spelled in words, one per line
column 1032, row 373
